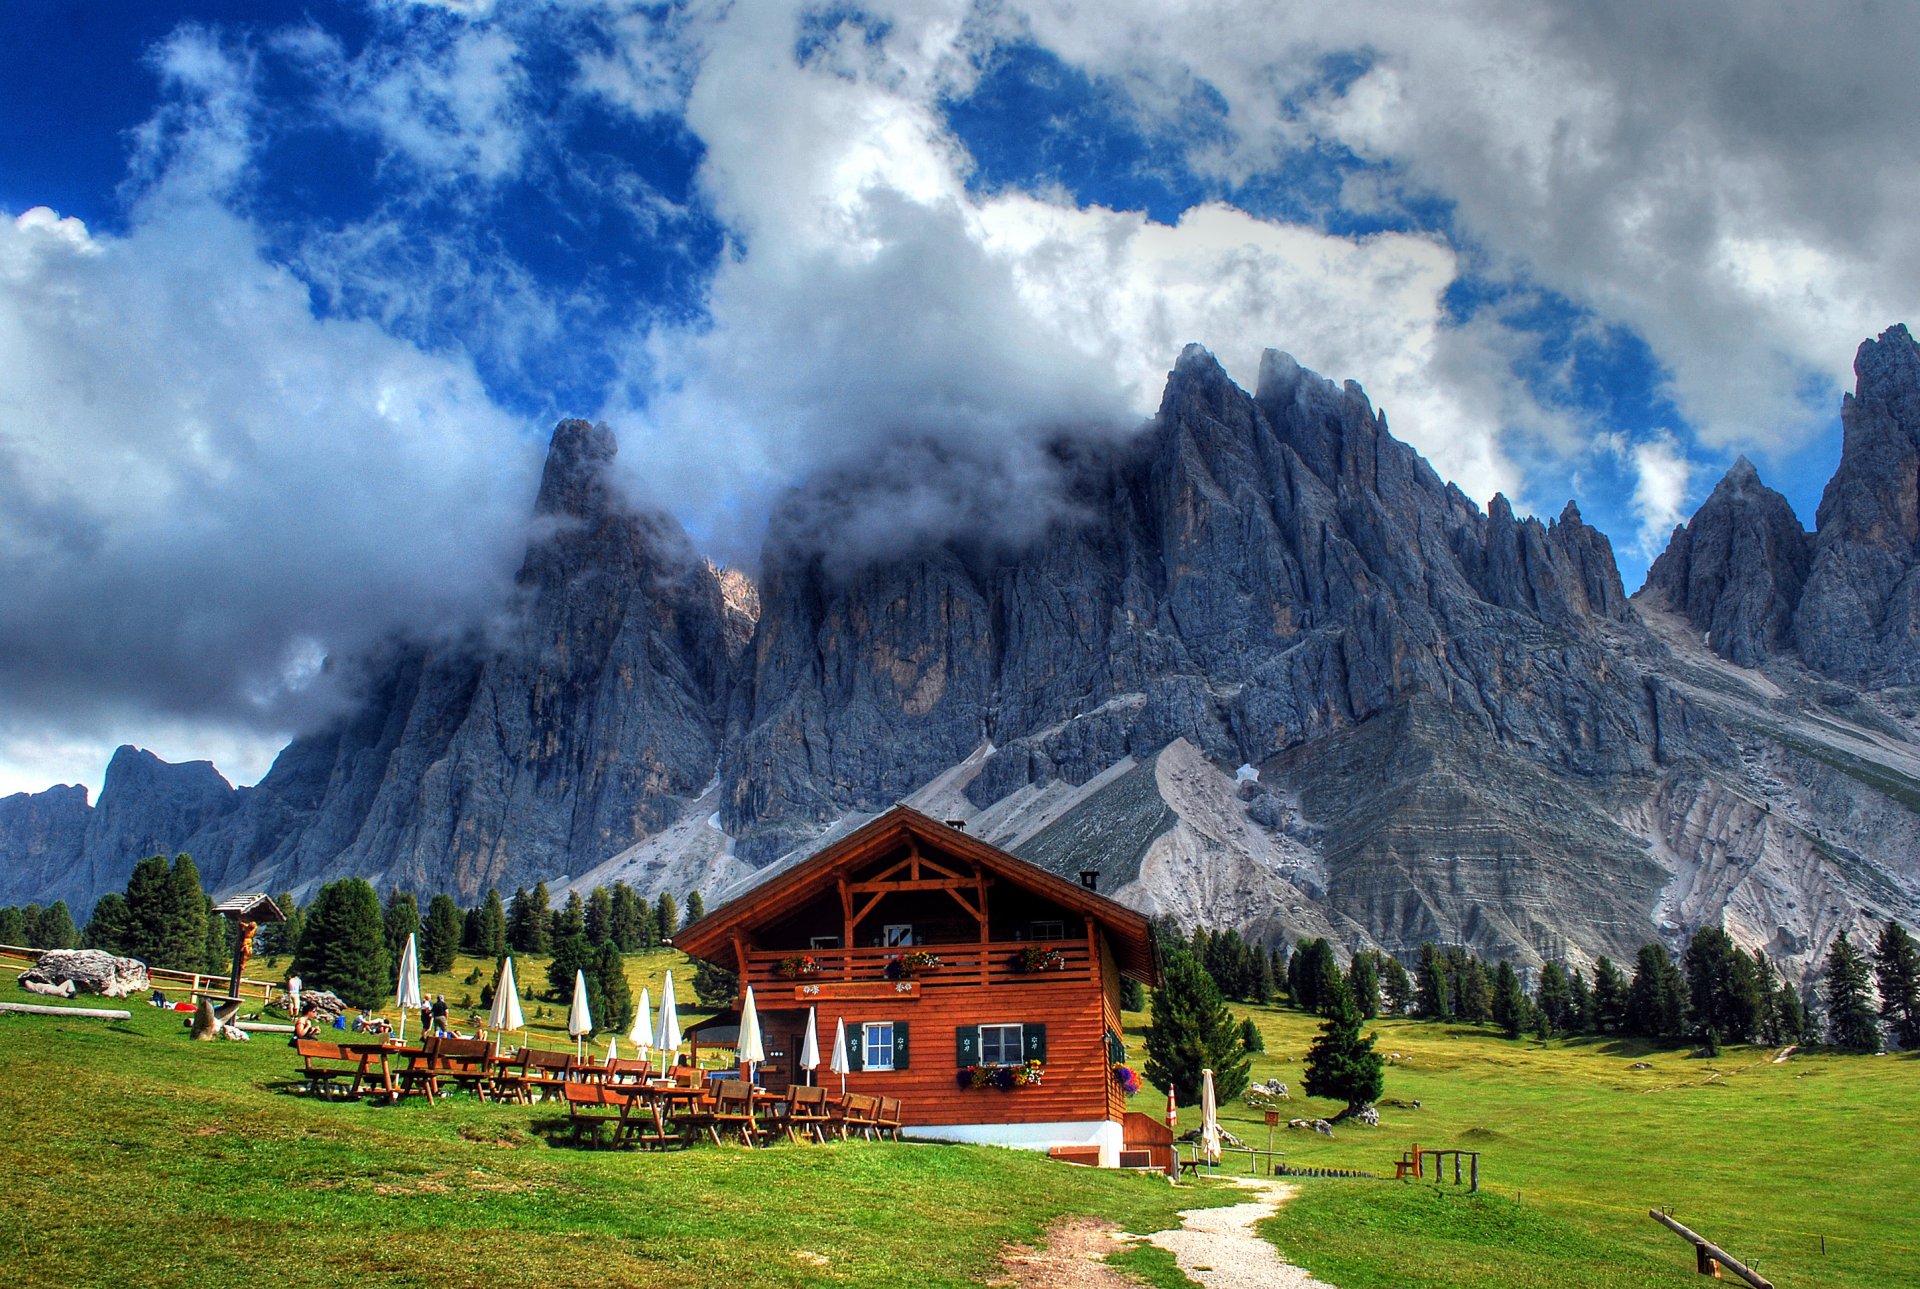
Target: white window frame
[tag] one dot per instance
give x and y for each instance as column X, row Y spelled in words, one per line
column 824, row 942
column 897, row 935
column 1019, row 1040
column 869, row 1036
column 1050, row 930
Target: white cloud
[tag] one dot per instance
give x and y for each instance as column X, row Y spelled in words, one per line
column 1662, row 474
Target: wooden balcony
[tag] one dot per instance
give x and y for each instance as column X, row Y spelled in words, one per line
column 880, row 972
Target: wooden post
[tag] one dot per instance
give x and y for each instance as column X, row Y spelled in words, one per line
column 1708, row 1256
column 1473, row 1179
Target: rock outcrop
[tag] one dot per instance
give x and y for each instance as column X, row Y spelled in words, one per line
column 1736, row 569
column 87, row 971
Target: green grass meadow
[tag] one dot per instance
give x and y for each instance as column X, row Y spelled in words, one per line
column 1576, row 1146
column 137, row 1157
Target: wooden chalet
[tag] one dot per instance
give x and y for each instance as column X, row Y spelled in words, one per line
column 956, row 967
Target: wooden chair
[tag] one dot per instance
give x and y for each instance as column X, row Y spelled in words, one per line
column 694, row 1117
column 592, row 1106
column 888, row 1119
column 543, row 1072
column 464, row 1062
column 733, row 1112
column 627, row 1070
column 807, row 1113
column 860, row 1113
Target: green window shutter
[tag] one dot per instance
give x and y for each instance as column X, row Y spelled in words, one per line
column 1035, row 1039
column 856, row 1048
column 899, row 1045
column 966, row 1046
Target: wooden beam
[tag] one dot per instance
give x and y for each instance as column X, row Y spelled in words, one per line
column 972, row 912
column 740, row 956
column 846, row 935
column 1093, row 948
column 1705, row 1249
column 91, row 1013
column 929, row 884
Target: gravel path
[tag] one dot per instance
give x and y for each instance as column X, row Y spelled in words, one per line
column 1218, row 1248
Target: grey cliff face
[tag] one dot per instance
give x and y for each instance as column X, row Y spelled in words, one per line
column 1859, row 619
column 1736, row 569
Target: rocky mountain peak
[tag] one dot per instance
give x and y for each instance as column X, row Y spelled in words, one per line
column 574, row 479
column 1735, row 571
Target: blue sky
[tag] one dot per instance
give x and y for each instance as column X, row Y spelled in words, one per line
column 290, row 295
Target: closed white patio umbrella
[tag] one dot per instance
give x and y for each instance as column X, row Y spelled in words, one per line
column 406, row 993
column 641, row 1035
column 506, row 1004
column 579, row 1018
column 1209, row 1120
column 839, row 1065
column 810, row 1048
column 666, row 1038
column 751, row 1050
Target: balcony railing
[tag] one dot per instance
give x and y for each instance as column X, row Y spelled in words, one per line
column 993, row 963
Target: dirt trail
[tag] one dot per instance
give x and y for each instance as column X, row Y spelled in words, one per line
column 1217, row 1247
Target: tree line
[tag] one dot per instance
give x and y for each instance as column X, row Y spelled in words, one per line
column 29, row 926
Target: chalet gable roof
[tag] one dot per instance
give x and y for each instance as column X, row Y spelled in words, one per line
column 711, row 937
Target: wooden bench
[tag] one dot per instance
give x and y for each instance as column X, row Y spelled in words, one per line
column 464, row 1062
column 325, row 1063
column 592, row 1106
column 859, row 1112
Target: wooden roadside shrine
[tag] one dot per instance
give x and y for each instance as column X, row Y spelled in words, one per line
column 246, row 912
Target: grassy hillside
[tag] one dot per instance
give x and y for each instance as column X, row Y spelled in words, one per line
column 136, row 1157
column 1576, row 1145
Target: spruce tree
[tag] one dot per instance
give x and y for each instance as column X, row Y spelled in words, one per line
column 401, row 919
column 217, row 939
column 470, row 931
column 150, row 912
column 54, row 929
column 14, row 929
column 343, row 947
column 696, row 906
column 666, row 916
column 1363, row 983
column 1475, row 999
column 1579, row 1005
column 627, row 932
column 111, row 926
column 1192, row 1031
column 714, row 986
column 1766, row 991
column 572, row 917
column 1796, row 1025
column 1896, row 963
column 493, row 927
column 1610, row 991
column 1314, row 970
column 1133, row 995
column 441, row 939
column 1433, row 999
column 1341, row 1065
column 571, row 953
column 1555, row 999
column 1250, row 1036
column 1722, row 993
column 1396, row 986
column 1657, row 998
column 1851, row 1024
column 600, row 918
column 1265, row 986
column 613, row 1009
column 277, row 938
column 1509, row 1003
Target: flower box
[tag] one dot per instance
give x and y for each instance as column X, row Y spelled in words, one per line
column 1039, row 957
column 910, row 964
column 804, row 964
column 1004, row 1077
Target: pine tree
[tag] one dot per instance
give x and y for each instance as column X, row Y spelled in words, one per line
column 1133, row 995
column 1277, row 959
column 1396, row 986
column 1657, row 998
column 111, row 926
column 696, row 906
column 1250, row 1036
column 1314, row 970
column 13, row 927
column 401, row 919
column 1475, row 998
column 1722, row 993
column 54, row 929
column 1264, row 984
column 600, row 918
column 1363, row 983
column 571, row 953
column 572, row 917
column 1579, row 1005
column 1896, row 963
column 1851, row 1025
column 1796, row 1025
column 217, row 939
column 493, row 927
column 1766, row 991
column 1341, row 1065
column 613, row 1009
column 282, row 937
column 470, row 931
column 1509, row 1003
column 1555, row 999
column 666, row 916
column 627, row 931
column 1610, row 992
column 343, row 947
column 1433, row 998
column 442, row 937
column 714, row 986
column 1192, row 1031
column 530, row 921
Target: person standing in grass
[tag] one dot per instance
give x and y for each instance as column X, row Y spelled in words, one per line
column 440, row 1014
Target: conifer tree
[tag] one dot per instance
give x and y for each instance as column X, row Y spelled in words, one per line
column 1509, row 1003
column 343, row 947
column 572, row 917
column 571, row 953
column 54, row 929
column 442, row 937
column 1657, row 998
column 470, row 930
column 1133, row 995
column 1250, row 1036
column 696, row 906
column 1474, row 1000
column 1766, row 992
column 1722, row 994
column 1264, row 984
column 627, row 931
column 1579, row 1004
column 1341, row 1065
column 600, row 918
column 1363, row 984
column 13, row 927
column 613, row 1009
column 714, row 986
column 282, row 937
column 1796, row 1025
column 1433, row 998
column 1555, row 999
column 1609, row 997
column 1192, row 1030
column 1851, row 1025
column 1896, row 963
column 1313, row 970
column 1396, row 986
column 493, row 927
column 401, row 919
column 217, row 955
column 666, row 916
column 530, row 921
column 189, row 948
column 111, row 926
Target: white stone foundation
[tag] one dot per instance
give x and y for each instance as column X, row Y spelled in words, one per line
column 1104, row 1133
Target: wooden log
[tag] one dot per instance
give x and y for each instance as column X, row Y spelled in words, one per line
column 1705, row 1248
column 264, row 1027
column 91, row 1013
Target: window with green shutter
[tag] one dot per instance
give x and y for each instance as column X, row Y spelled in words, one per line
column 1036, row 1039
column 856, row 1037
column 966, row 1045
column 899, row 1045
